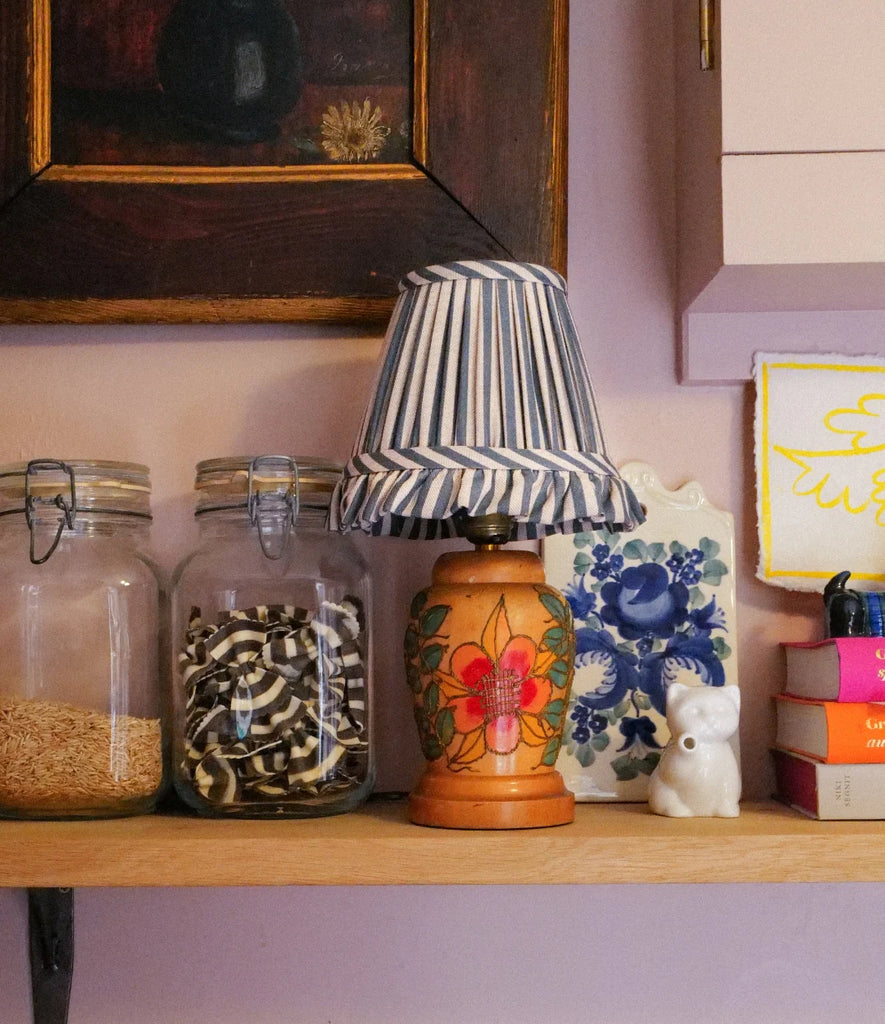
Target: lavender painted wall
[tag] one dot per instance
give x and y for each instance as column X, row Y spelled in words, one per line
column 731, row 954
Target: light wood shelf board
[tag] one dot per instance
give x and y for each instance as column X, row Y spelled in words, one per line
column 614, row 843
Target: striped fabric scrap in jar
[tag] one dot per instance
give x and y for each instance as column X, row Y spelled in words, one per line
column 275, row 702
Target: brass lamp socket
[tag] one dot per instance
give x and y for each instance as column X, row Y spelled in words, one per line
column 487, row 530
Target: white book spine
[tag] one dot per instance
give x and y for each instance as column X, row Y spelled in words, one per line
column 851, row 791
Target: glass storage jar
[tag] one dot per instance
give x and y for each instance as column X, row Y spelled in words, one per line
column 80, row 694
column 271, row 644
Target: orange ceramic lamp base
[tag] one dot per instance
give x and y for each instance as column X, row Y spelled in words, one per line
column 489, row 658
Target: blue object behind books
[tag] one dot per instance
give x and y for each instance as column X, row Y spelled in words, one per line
column 853, row 612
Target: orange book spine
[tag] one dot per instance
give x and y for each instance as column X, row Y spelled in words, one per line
column 855, row 732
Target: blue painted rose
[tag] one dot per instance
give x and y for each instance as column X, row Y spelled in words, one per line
column 644, row 602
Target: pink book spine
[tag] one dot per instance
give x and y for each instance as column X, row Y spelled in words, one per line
column 861, row 668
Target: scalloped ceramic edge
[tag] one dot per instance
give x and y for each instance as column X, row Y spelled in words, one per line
column 681, row 517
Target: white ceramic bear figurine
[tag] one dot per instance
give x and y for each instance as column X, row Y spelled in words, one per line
column 698, row 774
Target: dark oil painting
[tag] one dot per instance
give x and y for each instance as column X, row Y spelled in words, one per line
column 221, row 83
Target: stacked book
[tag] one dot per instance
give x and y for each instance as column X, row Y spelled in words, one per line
column 829, row 752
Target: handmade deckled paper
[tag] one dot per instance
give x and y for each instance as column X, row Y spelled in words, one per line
column 820, row 469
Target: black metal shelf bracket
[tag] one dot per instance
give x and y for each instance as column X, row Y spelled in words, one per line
column 51, row 942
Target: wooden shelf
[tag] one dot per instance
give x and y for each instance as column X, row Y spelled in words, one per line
column 377, row 845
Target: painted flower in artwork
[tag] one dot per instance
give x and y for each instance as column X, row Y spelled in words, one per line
column 499, row 691
column 353, row 132
column 643, row 601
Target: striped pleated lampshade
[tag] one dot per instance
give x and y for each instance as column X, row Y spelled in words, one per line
column 482, row 406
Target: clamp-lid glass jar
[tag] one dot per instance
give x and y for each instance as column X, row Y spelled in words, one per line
column 80, row 694
column 271, row 641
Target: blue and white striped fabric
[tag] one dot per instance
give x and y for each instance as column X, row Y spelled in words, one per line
column 482, row 405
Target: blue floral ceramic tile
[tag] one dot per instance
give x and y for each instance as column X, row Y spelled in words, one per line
column 651, row 607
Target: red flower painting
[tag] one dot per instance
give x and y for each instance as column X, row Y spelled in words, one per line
column 498, row 691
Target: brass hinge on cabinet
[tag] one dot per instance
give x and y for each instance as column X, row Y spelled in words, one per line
column 706, row 22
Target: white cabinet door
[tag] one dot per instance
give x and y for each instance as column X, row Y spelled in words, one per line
column 787, row 208
column 802, row 76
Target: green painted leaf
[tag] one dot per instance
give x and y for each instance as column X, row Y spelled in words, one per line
column 558, row 640
column 413, row 677
column 558, row 674
column 642, row 702
column 431, row 698
column 583, row 540
column 721, row 648
column 646, row 765
column 553, row 638
column 713, row 572
column 553, row 713
column 656, row 552
column 445, row 726
column 430, row 745
column 636, row 549
column 600, row 741
column 432, row 619
column 431, row 656
column 710, row 548
column 418, row 602
column 582, row 563
column 625, row 768
column 677, row 549
column 432, row 748
column 425, row 730
column 410, row 644
column 555, row 605
column 622, row 708
column 585, row 755
column 550, row 752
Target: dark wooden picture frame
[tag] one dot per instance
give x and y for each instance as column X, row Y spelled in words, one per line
column 115, row 244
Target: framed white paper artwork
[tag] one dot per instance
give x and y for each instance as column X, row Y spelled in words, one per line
column 820, row 469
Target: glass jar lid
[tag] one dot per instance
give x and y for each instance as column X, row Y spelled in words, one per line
column 249, row 480
column 50, row 491
column 88, row 485
column 273, row 489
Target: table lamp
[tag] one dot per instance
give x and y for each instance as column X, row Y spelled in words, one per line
column 483, row 425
